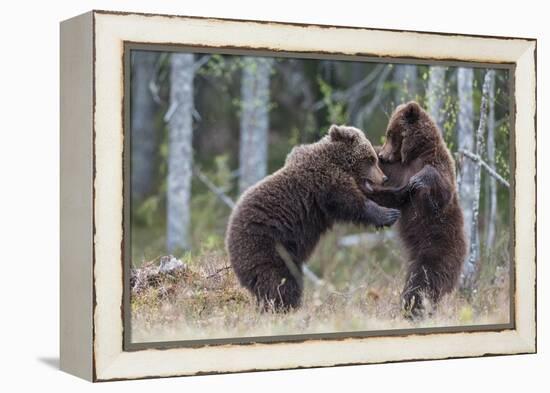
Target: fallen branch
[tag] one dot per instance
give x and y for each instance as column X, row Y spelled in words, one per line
column 476, row 158
column 218, row 271
column 151, row 274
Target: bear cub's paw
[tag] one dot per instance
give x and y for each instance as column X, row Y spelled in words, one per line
column 380, row 216
column 416, row 183
column 389, row 218
column 428, row 175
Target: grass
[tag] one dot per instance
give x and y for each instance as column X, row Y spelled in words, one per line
column 361, row 293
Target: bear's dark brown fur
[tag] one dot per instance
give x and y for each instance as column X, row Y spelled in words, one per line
column 422, row 185
column 277, row 223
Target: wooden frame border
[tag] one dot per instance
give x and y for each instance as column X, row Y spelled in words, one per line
column 91, row 237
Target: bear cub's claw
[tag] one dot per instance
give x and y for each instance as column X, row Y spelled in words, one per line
column 389, row 218
column 416, row 184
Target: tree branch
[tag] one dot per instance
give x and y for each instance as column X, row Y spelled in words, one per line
column 215, row 189
column 199, row 63
column 352, row 92
column 474, row 157
column 369, row 109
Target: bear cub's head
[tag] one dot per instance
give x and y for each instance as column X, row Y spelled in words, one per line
column 351, row 151
column 410, row 132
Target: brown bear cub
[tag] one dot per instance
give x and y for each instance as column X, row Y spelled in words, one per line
column 277, row 222
column 422, row 185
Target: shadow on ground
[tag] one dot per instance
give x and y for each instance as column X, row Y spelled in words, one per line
column 52, row 362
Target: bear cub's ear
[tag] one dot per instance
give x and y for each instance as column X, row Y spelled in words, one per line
column 343, row 133
column 411, row 112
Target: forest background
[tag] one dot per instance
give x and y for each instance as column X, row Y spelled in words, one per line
column 204, row 127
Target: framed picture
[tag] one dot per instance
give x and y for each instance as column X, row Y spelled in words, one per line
column 245, row 195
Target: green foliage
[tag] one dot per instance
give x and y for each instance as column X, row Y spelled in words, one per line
column 209, row 216
column 336, row 110
column 221, row 68
column 450, row 110
column 294, row 136
column 145, row 213
column 223, row 173
column 502, row 159
column 466, row 315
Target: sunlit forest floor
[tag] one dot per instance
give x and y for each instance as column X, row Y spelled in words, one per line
column 362, row 284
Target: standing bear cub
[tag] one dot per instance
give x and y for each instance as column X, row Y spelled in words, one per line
column 422, row 185
column 277, row 223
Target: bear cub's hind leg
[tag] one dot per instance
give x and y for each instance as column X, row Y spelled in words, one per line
column 277, row 289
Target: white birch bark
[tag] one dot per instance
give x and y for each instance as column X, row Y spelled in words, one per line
column 492, row 194
column 435, row 94
column 472, row 264
column 180, row 152
column 404, row 77
column 254, row 121
column 465, row 137
column 142, row 122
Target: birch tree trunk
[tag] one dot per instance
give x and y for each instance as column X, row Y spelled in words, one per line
column 180, row 151
column 404, row 77
column 465, row 137
column 254, row 121
column 472, row 264
column 435, row 94
column 143, row 136
column 492, row 194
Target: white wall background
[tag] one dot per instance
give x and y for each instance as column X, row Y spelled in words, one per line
column 29, row 196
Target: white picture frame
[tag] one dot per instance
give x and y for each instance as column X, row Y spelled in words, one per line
column 92, row 194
